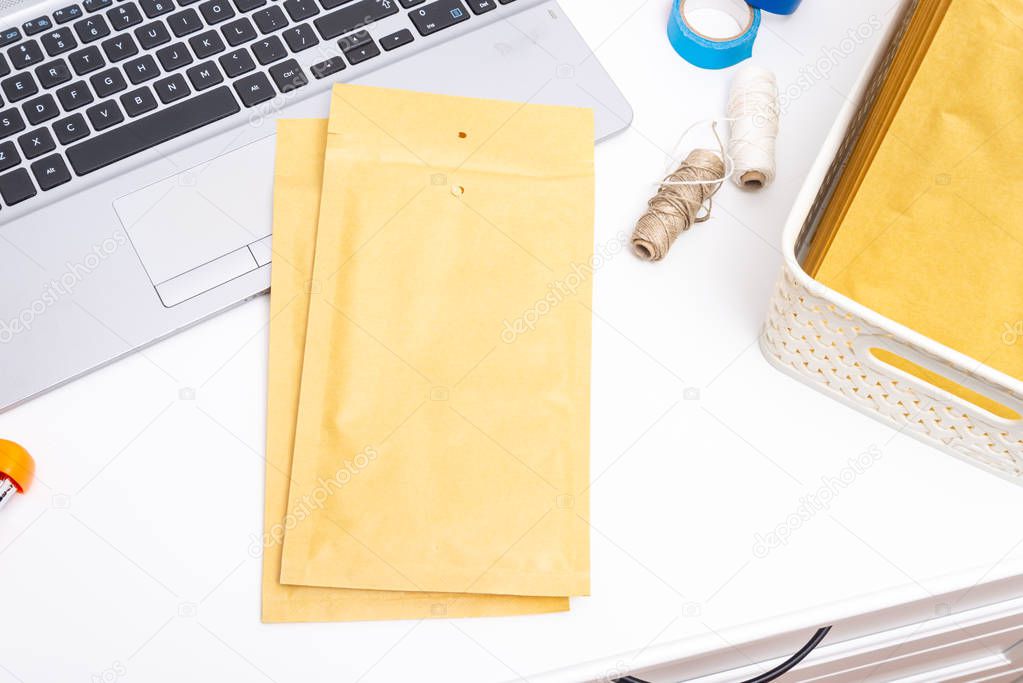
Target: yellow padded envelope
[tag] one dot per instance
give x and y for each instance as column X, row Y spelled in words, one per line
column 933, row 238
column 449, row 337
column 298, row 177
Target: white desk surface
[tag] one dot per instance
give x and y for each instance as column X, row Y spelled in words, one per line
column 130, row 558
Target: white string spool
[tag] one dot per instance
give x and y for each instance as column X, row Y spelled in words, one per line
column 754, row 113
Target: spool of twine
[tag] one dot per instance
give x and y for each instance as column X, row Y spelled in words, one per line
column 754, row 112
column 676, row 206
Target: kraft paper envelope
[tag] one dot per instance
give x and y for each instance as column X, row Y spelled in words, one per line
column 449, row 337
column 933, row 236
column 298, row 176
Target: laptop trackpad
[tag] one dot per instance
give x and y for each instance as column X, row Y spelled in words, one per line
column 201, row 214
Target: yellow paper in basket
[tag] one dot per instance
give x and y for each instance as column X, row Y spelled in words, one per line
column 449, row 336
column 298, row 176
column 934, row 237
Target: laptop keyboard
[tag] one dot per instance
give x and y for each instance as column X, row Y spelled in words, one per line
column 94, row 83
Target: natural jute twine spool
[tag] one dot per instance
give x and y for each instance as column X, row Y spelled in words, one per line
column 676, row 206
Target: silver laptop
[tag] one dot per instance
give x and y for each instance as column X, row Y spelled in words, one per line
column 136, row 145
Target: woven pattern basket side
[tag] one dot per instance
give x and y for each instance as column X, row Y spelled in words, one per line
column 815, row 340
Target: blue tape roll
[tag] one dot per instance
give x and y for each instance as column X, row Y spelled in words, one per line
column 776, row 6
column 709, row 53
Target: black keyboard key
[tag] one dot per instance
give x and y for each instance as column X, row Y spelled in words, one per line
column 395, row 40
column 248, row 5
column 9, row 156
column 74, row 95
column 96, row 5
column 42, row 108
column 438, row 16
column 53, row 73
column 353, row 16
column 138, row 101
column 37, row 25
column 154, row 8
column 254, row 89
column 238, row 31
column 236, row 63
column 19, row 86
column 184, row 22
column 51, row 172
column 106, row 83
column 270, row 49
column 301, row 9
column 36, row 143
column 58, row 42
column 171, row 89
column 124, row 16
column 482, row 6
column 216, row 11
column 25, row 54
column 327, row 67
column 357, row 39
column 205, row 75
column 104, row 114
column 86, row 61
column 142, row 69
column 11, row 122
column 152, row 34
column 408, row 4
column 66, row 14
column 120, row 47
column 8, row 36
column 70, row 128
column 16, row 186
column 174, row 56
column 206, row 44
column 166, row 124
column 5, row 68
column 359, row 55
column 288, row 76
column 270, row 19
column 92, row 28
column 301, row 37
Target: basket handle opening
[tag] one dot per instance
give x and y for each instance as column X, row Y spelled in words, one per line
column 989, row 402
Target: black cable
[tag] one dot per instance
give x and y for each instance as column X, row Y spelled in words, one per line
column 775, row 673
column 786, row 666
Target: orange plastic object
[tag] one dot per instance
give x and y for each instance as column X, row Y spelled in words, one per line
column 17, row 464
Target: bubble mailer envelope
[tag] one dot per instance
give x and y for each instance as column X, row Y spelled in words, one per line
column 447, row 359
column 297, row 189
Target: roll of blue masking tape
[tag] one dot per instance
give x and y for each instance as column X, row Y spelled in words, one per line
column 708, row 52
column 776, row 6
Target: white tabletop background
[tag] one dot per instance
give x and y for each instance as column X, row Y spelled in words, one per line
column 130, row 559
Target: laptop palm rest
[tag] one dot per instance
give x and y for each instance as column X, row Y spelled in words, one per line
column 192, row 230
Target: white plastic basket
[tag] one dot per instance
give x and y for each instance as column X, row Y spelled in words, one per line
column 825, row 339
